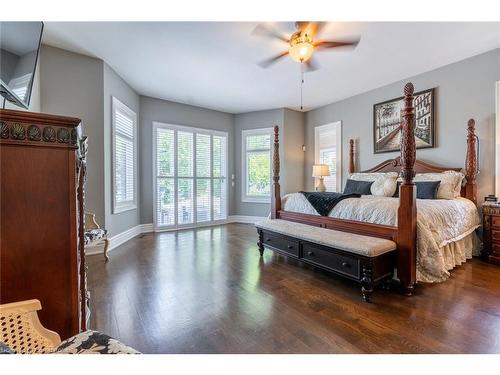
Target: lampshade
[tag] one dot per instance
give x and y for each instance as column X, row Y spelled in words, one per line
column 321, row 170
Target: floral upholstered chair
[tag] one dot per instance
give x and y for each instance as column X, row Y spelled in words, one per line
column 22, row 333
column 94, row 234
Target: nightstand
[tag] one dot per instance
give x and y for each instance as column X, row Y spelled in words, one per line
column 491, row 232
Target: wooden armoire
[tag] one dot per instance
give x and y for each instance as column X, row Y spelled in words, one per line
column 42, row 175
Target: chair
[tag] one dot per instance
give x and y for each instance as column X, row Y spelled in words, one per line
column 22, row 331
column 94, row 234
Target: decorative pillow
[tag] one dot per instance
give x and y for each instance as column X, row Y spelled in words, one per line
column 4, row 349
column 425, row 189
column 371, row 176
column 384, row 186
column 451, row 183
column 93, row 342
column 358, row 187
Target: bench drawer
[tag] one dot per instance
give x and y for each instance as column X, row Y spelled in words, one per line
column 340, row 263
column 282, row 243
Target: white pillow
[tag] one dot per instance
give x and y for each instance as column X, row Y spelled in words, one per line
column 384, row 186
column 451, row 183
column 371, row 176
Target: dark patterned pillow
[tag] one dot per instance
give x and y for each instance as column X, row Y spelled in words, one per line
column 425, row 189
column 4, row 349
column 358, row 187
column 93, row 342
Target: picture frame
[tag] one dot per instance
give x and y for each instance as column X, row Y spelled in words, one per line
column 387, row 122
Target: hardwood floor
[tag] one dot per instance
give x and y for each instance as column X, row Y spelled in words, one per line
column 208, row 291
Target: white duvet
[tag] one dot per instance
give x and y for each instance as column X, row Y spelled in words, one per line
column 445, row 228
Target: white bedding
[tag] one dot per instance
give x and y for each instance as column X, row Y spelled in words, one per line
column 445, row 228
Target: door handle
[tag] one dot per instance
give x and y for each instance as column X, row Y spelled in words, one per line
column 310, row 253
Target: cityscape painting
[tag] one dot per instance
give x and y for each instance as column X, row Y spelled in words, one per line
column 387, row 122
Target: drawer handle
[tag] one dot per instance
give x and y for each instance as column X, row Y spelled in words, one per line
column 345, row 264
column 268, row 239
column 290, row 247
column 310, row 253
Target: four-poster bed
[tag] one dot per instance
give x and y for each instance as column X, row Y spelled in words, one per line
column 404, row 232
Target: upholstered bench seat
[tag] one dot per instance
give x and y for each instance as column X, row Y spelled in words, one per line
column 353, row 243
column 367, row 260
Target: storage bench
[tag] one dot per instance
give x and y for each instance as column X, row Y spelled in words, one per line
column 367, row 260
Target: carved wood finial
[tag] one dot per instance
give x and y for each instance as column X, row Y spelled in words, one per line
column 276, row 155
column 408, row 154
column 276, row 195
column 352, row 167
column 471, row 161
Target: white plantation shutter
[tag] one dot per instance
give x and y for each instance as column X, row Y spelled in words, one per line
column 124, row 157
column 191, row 176
column 256, row 168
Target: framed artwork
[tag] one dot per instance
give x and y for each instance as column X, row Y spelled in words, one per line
column 387, row 122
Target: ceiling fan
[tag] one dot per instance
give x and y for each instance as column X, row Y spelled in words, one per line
column 302, row 43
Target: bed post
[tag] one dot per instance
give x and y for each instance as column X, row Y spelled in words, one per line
column 471, row 162
column 276, row 196
column 352, row 164
column 407, row 212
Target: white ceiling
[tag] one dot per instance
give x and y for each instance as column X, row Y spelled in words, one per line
column 213, row 64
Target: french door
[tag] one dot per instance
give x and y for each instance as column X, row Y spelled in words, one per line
column 190, row 176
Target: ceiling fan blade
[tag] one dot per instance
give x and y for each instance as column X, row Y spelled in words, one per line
column 311, row 65
column 311, row 28
column 266, row 63
column 269, row 31
column 332, row 44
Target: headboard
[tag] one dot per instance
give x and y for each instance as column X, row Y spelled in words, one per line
column 469, row 190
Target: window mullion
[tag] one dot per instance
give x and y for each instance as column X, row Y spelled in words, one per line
column 211, row 153
column 195, row 184
column 176, row 179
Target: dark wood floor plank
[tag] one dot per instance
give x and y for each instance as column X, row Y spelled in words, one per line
column 208, row 291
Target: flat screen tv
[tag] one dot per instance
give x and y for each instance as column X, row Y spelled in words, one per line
column 19, row 46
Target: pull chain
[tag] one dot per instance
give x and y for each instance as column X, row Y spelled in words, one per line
column 301, row 85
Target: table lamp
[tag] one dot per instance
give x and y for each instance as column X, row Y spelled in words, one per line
column 320, row 171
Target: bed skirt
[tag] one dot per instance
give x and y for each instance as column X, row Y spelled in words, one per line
column 452, row 254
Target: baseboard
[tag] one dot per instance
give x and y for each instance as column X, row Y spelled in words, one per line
column 244, row 219
column 127, row 235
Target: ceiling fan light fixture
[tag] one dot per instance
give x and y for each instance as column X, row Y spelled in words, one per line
column 301, row 47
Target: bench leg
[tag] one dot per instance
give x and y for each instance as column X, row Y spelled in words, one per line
column 260, row 244
column 367, row 283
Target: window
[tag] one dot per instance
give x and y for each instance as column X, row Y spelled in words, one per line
column 328, row 150
column 256, row 165
column 191, row 176
column 124, row 134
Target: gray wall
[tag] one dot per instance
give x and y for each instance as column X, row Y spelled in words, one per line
column 178, row 114
column 115, row 86
column 291, row 125
column 463, row 90
column 253, row 120
column 72, row 84
column 293, row 140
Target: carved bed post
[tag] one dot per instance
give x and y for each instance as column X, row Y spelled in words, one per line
column 471, row 162
column 407, row 212
column 352, row 164
column 276, row 196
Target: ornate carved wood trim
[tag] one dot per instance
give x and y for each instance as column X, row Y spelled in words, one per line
column 394, row 165
column 471, row 162
column 35, row 134
column 352, row 162
column 407, row 211
column 276, row 195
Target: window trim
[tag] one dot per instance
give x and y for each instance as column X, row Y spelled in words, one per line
column 195, row 223
column 244, row 167
column 119, row 207
column 338, row 150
